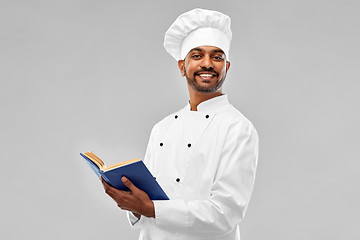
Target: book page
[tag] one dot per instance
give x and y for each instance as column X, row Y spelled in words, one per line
column 116, row 165
column 95, row 159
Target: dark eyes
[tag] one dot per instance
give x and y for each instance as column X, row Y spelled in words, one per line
column 198, row 56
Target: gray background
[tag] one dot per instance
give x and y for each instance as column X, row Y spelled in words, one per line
column 93, row 75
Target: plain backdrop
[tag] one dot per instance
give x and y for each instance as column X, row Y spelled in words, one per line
column 93, row 75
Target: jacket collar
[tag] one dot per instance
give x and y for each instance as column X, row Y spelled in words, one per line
column 211, row 105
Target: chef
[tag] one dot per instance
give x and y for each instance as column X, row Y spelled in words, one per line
column 205, row 155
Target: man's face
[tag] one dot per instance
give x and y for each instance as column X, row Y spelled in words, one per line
column 205, row 69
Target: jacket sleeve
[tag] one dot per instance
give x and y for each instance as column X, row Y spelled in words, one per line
column 133, row 220
column 230, row 193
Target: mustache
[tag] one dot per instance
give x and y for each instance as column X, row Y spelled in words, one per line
column 205, row 69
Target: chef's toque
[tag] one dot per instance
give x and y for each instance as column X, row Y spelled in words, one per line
column 195, row 28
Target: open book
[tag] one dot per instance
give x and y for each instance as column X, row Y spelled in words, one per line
column 135, row 170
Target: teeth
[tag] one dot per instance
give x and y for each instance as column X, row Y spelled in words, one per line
column 206, row 75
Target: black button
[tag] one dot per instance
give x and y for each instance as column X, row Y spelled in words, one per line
column 155, row 178
column 178, row 179
column 176, row 116
column 189, row 145
column 161, row 144
column 207, row 116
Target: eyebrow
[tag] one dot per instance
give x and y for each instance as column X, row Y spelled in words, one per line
column 196, row 49
column 214, row 51
column 218, row 51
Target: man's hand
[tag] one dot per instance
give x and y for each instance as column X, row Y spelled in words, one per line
column 136, row 201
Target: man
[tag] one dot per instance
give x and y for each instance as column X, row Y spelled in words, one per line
column 205, row 155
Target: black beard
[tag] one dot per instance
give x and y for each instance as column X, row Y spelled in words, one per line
column 194, row 85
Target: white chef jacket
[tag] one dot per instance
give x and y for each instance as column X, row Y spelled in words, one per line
column 205, row 161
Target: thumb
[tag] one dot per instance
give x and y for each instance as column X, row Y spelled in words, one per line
column 129, row 184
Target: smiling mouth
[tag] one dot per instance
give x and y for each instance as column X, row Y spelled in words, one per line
column 206, row 75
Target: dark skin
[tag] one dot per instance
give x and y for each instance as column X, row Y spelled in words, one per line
column 136, row 201
column 198, row 65
column 205, row 69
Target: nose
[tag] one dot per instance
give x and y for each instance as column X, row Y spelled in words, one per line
column 206, row 62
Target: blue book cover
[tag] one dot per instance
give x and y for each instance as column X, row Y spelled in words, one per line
column 135, row 170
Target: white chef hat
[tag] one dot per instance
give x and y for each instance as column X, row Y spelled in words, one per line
column 198, row 27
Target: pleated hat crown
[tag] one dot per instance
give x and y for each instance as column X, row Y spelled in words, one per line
column 195, row 28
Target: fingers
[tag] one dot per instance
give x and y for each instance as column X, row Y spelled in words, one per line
column 111, row 191
column 136, row 201
column 103, row 181
column 105, row 184
column 126, row 182
column 129, row 184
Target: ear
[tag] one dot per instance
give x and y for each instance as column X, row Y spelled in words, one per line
column 181, row 65
column 227, row 65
